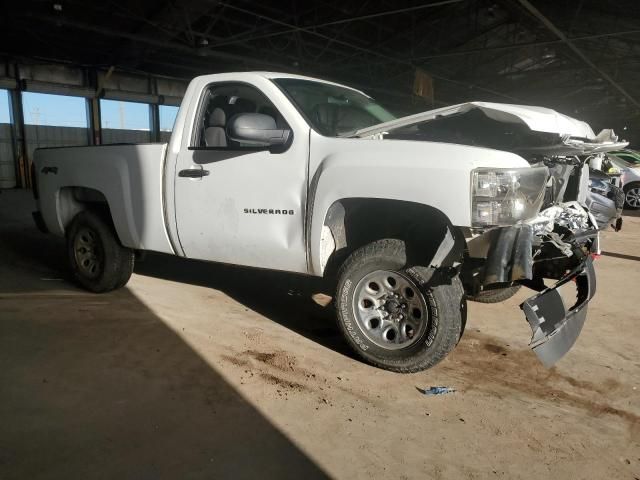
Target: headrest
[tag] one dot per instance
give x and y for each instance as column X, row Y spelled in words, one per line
column 326, row 113
column 241, row 105
column 217, row 118
column 219, row 101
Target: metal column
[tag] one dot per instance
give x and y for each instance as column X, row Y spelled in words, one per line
column 20, row 152
column 154, row 112
column 95, row 129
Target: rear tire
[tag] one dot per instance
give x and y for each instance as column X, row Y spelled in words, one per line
column 390, row 316
column 98, row 261
column 495, row 295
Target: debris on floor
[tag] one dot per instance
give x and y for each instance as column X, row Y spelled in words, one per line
column 435, row 390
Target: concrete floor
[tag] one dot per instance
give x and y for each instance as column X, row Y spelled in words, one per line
column 204, row 371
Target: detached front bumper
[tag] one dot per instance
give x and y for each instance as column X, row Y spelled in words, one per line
column 557, row 245
column 556, row 328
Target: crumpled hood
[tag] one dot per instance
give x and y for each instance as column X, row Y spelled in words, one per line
column 573, row 133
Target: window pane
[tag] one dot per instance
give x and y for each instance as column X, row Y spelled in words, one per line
column 7, row 168
column 4, row 106
column 58, row 110
column 167, row 119
column 124, row 122
column 54, row 121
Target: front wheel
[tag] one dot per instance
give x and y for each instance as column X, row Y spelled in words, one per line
column 98, row 261
column 390, row 316
column 495, row 295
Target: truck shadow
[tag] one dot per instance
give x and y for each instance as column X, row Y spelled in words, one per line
column 285, row 298
column 98, row 386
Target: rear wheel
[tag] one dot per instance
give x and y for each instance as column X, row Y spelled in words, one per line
column 632, row 196
column 390, row 316
column 98, row 261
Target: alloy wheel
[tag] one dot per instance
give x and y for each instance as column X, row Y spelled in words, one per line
column 633, row 197
column 88, row 252
column 390, row 309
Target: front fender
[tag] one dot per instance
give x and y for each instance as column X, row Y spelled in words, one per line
column 432, row 174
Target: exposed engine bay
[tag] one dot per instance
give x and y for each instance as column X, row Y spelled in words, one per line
column 555, row 232
column 532, row 224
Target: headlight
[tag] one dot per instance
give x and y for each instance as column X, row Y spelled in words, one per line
column 506, row 196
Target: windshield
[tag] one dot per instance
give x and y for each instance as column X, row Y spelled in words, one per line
column 332, row 110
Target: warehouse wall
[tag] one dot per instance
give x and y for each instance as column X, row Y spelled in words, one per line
column 40, row 136
column 117, row 135
column 7, row 164
column 158, row 95
column 165, row 136
column 37, row 136
column 51, row 136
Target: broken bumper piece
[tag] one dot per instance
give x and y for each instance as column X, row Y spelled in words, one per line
column 556, row 328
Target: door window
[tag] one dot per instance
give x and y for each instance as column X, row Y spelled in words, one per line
column 220, row 104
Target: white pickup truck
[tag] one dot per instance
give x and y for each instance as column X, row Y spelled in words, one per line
column 408, row 216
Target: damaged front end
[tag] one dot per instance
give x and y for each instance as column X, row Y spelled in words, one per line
column 556, row 328
column 558, row 243
column 565, row 242
column 528, row 224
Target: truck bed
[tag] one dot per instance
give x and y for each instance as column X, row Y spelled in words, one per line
column 128, row 177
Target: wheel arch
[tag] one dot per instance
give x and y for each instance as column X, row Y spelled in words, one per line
column 71, row 200
column 353, row 222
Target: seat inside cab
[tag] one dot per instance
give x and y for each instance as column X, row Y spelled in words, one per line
column 226, row 101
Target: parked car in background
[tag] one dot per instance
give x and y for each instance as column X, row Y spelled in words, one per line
column 630, row 156
column 605, row 199
column 626, row 163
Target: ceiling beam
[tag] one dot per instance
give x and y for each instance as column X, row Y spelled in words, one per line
column 512, row 46
column 525, row 45
column 310, row 28
column 567, row 41
column 376, row 53
column 198, row 55
column 109, row 32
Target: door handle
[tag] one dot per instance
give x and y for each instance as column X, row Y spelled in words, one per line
column 193, row 173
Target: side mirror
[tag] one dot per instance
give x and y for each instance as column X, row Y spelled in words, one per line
column 256, row 129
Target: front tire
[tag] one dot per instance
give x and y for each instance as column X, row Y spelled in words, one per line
column 388, row 314
column 98, row 261
column 495, row 295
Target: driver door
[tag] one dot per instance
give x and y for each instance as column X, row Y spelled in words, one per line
column 239, row 204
